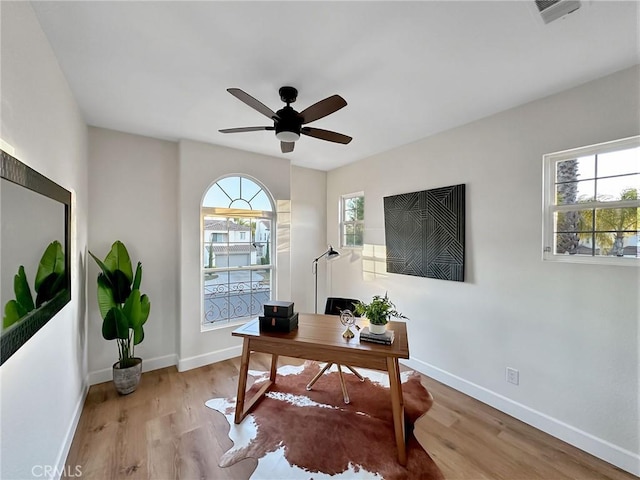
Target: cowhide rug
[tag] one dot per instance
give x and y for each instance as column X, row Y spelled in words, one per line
column 300, row 434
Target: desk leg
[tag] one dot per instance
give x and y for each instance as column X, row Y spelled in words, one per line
column 274, row 367
column 397, row 404
column 244, row 407
column 242, row 380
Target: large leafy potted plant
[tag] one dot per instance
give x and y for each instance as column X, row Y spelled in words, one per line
column 378, row 312
column 124, row 311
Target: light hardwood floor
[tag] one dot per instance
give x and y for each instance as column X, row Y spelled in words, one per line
column 164, row 431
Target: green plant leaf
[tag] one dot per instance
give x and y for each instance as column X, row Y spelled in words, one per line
column 138, row 278
column 120, row 286
column 137, row 309
column 122, row 324
column 22, row 290
column 132, row 309
column 109, row 328
column 115, row 325
column 60, row 284
column 13, row 312
column 105, row 296
column 101, row 264
column 52, row 261
column 145, row 308
column 49, row 288
column 118, row 259
column 138, row 335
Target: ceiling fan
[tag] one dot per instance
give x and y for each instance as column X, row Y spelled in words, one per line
column 287, row 123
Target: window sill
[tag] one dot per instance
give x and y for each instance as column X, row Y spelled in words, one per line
column 210, row 327
column 585, row 259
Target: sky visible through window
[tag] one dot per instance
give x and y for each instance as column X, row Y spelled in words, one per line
column 237, row 192
column 623, row 166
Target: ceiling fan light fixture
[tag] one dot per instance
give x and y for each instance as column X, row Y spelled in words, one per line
column 287, row 136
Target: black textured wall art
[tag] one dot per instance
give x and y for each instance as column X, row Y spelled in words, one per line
column 425, row 233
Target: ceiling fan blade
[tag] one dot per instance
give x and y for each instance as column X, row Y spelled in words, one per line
column 252, row 102
column 322, row 108
column 326, row 135
column 245, row 129
column 286, row 147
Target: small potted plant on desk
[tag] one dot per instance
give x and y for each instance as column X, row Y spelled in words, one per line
column 124, row 311
column 378, row 312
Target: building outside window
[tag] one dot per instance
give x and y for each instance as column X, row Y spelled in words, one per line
column 591, row 205
column 237, row 218
column 352, row 220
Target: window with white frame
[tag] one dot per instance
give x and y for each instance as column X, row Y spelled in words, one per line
column 237, row 221
column 591, row 204
column 352, row 220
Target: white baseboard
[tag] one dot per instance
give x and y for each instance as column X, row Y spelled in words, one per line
column 209, row 358
column 620, row 457
column 106, row 374
column 68, row 438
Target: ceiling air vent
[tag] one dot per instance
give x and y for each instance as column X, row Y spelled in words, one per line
column 551, row 10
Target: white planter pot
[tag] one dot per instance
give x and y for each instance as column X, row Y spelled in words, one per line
column 377, row 329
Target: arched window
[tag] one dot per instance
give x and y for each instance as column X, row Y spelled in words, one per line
column 237, row 218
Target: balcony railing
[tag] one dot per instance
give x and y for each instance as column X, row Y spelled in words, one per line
column 227, row 301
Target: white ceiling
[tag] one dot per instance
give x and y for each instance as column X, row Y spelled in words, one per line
column 406, row 69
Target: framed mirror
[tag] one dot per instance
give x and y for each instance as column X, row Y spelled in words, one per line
column 35, row 232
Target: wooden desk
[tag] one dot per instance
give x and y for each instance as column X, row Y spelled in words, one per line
column 319, row 337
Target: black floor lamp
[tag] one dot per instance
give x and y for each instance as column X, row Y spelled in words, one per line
column 330, row 254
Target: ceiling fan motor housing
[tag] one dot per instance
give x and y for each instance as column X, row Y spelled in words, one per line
column 288, row 125
column 288, row 94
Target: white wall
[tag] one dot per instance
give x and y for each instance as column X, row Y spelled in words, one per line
column 571, row 330
column 200, row 165
column 308, row 233
column 44, row 382
column 134, row 198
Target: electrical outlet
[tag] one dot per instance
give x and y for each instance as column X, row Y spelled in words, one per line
column 513, row 376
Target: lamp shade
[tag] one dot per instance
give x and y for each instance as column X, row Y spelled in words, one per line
column 332, row 254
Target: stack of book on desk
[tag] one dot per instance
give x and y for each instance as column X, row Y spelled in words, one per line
column 385, row 338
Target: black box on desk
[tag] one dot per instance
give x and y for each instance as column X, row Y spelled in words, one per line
column 275, row 308
column 279, row 324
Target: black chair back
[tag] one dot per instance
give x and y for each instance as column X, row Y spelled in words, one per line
column 336, row 304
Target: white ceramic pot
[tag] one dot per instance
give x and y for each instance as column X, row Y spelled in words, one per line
column 377, row 329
